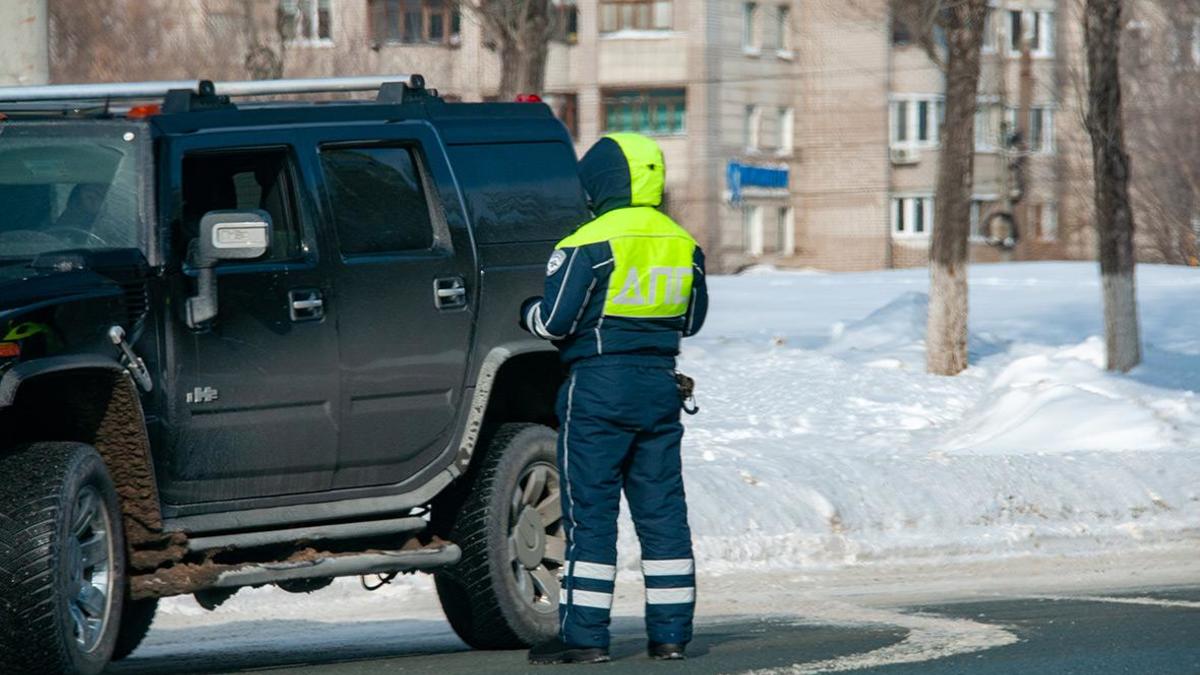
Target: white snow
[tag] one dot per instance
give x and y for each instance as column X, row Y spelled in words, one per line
column 821, row 440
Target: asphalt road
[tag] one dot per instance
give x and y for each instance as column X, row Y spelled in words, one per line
column 1148, row 631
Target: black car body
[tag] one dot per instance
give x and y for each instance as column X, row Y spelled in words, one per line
column 341, row 401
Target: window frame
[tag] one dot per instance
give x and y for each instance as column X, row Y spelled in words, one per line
column 1038, row 24
column 783, row 46
column 622, row 23
column 910, row 104
column 787, row 131
column 646, row 97
column 305, row 230
column 751, row 41
column 381, row 22
column 903, row 216
column 752, row 128
column 786, row 222
column 752, row 229
column 309, row 12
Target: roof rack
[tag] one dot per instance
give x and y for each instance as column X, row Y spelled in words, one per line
column 160, row 89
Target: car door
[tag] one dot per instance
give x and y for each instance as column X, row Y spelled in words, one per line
column 256, row 392
column 404, row 288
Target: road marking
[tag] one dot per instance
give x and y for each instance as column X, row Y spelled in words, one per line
column 1158, row 602
column 930, row 637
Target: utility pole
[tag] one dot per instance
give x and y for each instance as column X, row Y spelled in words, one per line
column 25, row 34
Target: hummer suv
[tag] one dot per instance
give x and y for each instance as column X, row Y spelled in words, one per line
column 273, row 342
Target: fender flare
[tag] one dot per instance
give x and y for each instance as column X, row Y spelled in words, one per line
column 14, row 377
column 481, row 397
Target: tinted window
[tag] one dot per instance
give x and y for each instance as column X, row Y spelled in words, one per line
column 244, row 180
column 66, row 186
column 379, row 204
column 520, row 191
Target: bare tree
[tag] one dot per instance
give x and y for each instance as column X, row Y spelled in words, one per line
column 1114, row 213
column 522, row 31
column 962, row 22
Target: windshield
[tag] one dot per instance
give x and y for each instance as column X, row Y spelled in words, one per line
column 67, row 186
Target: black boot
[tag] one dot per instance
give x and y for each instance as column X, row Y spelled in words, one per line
column 669, row 651
column 556, row 651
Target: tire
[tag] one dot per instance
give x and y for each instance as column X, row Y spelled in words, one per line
column 135, row 623
column 62, row 560
column 503, row 593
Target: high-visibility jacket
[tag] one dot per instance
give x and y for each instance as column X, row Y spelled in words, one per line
column 630, row 281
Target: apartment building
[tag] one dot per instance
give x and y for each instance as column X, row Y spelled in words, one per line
column 796, row 132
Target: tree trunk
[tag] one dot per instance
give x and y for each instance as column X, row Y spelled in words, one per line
column 523, row 68
column 946, row 337
column 1114, row 214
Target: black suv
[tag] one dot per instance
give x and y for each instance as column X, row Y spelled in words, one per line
column 272, row 343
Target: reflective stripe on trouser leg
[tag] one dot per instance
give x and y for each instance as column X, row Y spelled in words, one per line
column 590, row 453
column 654, row 489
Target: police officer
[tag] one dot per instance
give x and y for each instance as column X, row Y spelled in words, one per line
column 620, row 293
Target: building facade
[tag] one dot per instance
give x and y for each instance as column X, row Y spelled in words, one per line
column 796, row 132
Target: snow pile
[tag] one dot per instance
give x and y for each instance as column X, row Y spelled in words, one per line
column 822, row 441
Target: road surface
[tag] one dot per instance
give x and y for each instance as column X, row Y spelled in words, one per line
column 1098, row 620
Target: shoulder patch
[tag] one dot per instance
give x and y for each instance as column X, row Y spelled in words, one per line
column 556, row 262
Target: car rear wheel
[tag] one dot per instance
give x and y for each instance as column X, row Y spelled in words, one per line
column 62, row 560
column 503, row 593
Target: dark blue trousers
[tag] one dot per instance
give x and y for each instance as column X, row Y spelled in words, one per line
column 619, row 430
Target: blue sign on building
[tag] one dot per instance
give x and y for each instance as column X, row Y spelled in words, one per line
column 739, row 176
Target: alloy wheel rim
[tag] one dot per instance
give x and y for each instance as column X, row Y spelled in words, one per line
column 536, row 540
column 90, row 567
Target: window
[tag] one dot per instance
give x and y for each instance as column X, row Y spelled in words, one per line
column 307, row 21
column 912, row 216
column 654, row 112
column 566, row 20
column 783, row 39
column 378, row 200
column 916, row 120
column 1041, row 128
column 618, row 15
column 1035, row 26
column 243, row 180
column 752, row 229
column 787, row 130
column 415, row 22
column 566, row 109
column 1044, row 221
column 991, row 128
column 901, row 35
column 786, row 234
column 989, row 31
column 542, row 201
column 749, row 29
column 981, row 208
column 753, row 127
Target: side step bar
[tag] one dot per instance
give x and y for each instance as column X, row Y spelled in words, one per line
column 373, row 528
column 378, row 562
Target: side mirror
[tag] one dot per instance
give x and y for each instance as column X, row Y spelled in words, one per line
column 224, row 235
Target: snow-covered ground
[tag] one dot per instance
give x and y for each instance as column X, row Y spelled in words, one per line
column 821, row 439
column 822, row 445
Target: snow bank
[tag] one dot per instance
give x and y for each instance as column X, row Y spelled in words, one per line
column 822, row 441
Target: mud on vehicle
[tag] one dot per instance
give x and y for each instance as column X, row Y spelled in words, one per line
column 272, row 343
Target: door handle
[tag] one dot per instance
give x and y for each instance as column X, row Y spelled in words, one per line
column 450, row 293
column 306, row 304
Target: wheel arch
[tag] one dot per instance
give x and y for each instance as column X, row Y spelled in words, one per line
column 89, row 399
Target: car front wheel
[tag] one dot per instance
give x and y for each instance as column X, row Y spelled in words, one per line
column 62, row 560
column 503, row 593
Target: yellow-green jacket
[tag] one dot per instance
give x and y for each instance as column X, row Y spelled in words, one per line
column 630, row 281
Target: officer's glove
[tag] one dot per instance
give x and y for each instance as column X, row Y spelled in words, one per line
column 523, row 320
